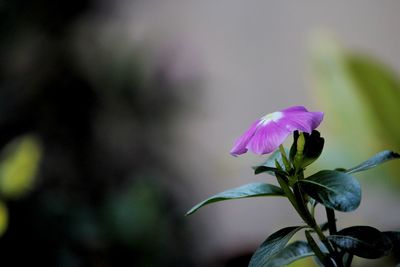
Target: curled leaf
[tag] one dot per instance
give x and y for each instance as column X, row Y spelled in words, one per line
column 374, row 161
column 333, row 189
column 362, row 241
column 272, row 245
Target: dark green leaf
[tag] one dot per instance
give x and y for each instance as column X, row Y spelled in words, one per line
column 293, row 148
column 245, row 191
column 374, row 161
column 394, row 236
column 313, row 147
column 292, row 252
column 272, row 245
column 333, row 189
column 269, row 165
column 267, row 169
column 362, row 241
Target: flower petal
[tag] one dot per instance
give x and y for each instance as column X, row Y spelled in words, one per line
column 267, row 138
column 240, row 146
column 295, row 108
column 317, row 118
column 265, row 135
column 302, row 121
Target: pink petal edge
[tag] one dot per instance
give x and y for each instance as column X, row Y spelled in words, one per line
column 240, row 146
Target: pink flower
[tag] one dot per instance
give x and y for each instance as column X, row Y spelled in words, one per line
column 268, row 133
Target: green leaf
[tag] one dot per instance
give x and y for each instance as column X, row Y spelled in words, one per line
column 361, row 93
column 244, row 191
column 333, row 189
column 374, row 161
column 363, row 241
column 269, row 166
column 379, row 86
column 272, row 245
column 394, row 236
column 313, row 147
column 292, row 252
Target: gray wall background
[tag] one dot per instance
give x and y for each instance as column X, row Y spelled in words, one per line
column 253, row 59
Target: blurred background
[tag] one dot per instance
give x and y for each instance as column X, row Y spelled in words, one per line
column 117, row 116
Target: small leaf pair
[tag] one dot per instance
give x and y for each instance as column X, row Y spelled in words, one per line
column 274, row 252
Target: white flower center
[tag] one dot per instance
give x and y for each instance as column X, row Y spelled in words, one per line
column 275, row 116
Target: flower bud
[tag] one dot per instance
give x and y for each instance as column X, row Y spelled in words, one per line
column 300, row 145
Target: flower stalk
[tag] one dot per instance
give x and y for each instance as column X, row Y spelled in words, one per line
column 299, row 201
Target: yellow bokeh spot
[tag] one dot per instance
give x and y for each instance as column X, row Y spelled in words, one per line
column 305, row 262
column 3, row 218
column 18, row 166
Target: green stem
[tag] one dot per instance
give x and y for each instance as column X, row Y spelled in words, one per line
column 288, row 192
column 299, row 202
column 304, row 212
column 349, row 260
column 302, row 204
column 330, row 214
column 310, row 220
column 283, row 182
column 332, row 251
column 312, row 210
column 321, row 235
column 328, row 245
